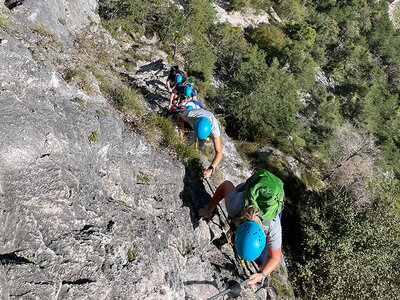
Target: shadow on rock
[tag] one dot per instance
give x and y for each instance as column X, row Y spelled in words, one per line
column 158, row 66
column 219, row 242
column 194, row 195
column 193, row 282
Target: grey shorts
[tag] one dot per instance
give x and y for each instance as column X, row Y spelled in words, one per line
column 234, row 202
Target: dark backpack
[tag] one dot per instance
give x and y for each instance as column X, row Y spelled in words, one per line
column 265, row 192
column 175, row 71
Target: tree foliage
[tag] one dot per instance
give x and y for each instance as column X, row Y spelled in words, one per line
column 348, row 251
column 142, row 17
column 263, row 101
column 270, row 38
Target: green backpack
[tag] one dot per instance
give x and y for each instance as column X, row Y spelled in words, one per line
column 265, row 192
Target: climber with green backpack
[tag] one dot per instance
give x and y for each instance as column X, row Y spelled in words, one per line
column 255, row 207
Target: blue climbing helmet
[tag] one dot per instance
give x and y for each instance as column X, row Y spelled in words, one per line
column 187, row 91
column 202, row 127
column 250, row 240
column 178, row 78
column 189, row 107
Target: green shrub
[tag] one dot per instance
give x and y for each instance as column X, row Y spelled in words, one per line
column 232, row 48
column 291, row 10
column 199, row 56
column 267, row 37
column 347, row 251
column 143, row 17
column 263, row 101
column 127, row 99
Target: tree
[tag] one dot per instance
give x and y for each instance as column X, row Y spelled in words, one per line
column 199, row 55
column 263, row 101
column 267, row 37
column 347, row 251
column 353, row 153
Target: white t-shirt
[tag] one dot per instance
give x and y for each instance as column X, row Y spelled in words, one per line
column 234, row 203
column 193, row 103
column 190, row 116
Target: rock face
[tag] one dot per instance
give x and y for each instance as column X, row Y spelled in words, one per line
column 246, row 18
column 88, row 210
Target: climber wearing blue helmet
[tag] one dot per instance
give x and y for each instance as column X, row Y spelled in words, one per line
column 204, row 125
column 250, row 240
column 175, row 77
column 187, row 91
column 255, row 239
column 192, row 104
column 182, row 92
column 184, row 106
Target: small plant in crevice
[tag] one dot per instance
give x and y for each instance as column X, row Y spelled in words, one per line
column 132, row 253
column 166, row 216
column 78, row 100
column 190, row 251
column 36, row 55
column 100, row 112
column 143, row 178
column 94, row 137
column 62, row 21
column 31, row 257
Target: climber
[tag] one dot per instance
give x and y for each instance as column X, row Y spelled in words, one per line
column 184, row 106
column 204, row 125
column 182, row 92
column 191, row 104
column 256, row 237
column 175, row 77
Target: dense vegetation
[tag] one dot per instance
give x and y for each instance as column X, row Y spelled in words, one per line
column 342, row 232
